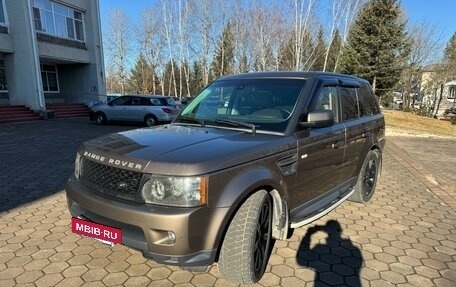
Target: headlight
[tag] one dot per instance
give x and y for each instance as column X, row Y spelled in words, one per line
column 77, row 165
column 175, row 191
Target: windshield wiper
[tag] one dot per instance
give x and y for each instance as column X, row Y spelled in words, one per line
column 236, row 124
column 191, row 120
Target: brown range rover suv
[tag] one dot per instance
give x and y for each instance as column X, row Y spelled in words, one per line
column 251, row 157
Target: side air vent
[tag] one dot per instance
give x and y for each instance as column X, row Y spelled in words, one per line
column 288, row 164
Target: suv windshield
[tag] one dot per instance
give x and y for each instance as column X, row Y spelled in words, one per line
column 266, row 103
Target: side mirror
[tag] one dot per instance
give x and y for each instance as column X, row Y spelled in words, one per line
column 318, row 119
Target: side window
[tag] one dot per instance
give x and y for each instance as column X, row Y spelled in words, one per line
column 121, row 101
column 368, row 100
column 452, row 92
column 349, row 103
column 365, row 108
column 156, row 102
column 327, row 100
column 135, row 101
column 145, row 102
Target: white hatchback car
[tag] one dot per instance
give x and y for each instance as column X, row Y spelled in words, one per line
column 148, row 109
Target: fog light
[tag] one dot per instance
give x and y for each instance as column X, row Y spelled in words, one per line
column 171, row 237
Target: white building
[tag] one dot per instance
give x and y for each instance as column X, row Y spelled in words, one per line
column 50, row 52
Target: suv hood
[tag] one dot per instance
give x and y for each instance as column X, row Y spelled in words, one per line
column 182, row 150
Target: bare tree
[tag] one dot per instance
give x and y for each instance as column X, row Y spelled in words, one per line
column 168, row 18
column 203, row 25
column 118, row 45
column 242, row 38
column 425, row 42
column 112, row 81
column 303, row 12
column 338, row 7
column 184, row 50
column 152, row 43
column 266, row 26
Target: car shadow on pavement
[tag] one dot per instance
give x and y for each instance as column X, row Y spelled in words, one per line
column 335, row 260
column 37, row 158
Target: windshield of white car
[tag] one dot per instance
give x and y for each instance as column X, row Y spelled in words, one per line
column 266, row 103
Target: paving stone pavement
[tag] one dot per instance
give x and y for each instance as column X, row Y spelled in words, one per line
column 405, row 236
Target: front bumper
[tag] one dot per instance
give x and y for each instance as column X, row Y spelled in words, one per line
column 146, row 227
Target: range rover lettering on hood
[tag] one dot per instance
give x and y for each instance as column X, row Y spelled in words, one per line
column 113, row 161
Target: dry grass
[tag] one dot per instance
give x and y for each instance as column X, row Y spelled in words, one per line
column 410, row 123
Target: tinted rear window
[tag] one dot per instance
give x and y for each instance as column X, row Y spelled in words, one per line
column 349, row 103
column 368, row 104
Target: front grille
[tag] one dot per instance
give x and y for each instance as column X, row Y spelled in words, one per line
column 111, row 181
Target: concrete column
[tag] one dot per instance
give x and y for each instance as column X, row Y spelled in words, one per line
column 94, row 40
column 23, row 66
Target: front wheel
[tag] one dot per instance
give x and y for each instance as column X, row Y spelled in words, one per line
column 367, row 179
column 246, row 248
column 100, row 118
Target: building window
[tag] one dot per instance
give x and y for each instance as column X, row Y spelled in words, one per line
column 49, row 78
column 452, row 92
column 2, row 13
column 58, row 20
column 3, row 86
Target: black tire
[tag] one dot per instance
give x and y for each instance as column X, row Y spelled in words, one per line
column 100, row 118
column 367, row 179
column 150, row 120
column 246, row 248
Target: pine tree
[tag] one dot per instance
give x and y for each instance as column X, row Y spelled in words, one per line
column 266, row 61
column 169, row 79
column 286, row 62
column 450, row 49
column 377, row 47
column 287, row 53
column 224, row 57
column 142, row 77
column 196, row 78
column 185, row 68
column 319, row 54
column 244, row 64
column 334, row 52
column 449, row 58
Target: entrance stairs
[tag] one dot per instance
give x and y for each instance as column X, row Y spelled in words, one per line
column 68, row 110
column 17, row 113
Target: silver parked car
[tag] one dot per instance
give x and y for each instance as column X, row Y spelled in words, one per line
column 148, row 109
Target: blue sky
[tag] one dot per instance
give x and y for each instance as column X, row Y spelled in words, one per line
column 440, row 13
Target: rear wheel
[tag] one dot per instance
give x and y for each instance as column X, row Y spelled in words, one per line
column 367, row 179
column 100, row 118
column 150, row 120
column 246, row 248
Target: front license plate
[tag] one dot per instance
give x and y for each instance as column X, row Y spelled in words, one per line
column 103, row 233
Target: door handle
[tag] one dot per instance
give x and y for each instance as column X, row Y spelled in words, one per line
column 337, row 145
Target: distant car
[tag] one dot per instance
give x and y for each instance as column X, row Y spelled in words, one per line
column 177, row 103
column 186, row 100
column 397, row 102
column 417, row 105
column 148, row 109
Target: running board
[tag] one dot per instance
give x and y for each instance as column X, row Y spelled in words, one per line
column 323, row 213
